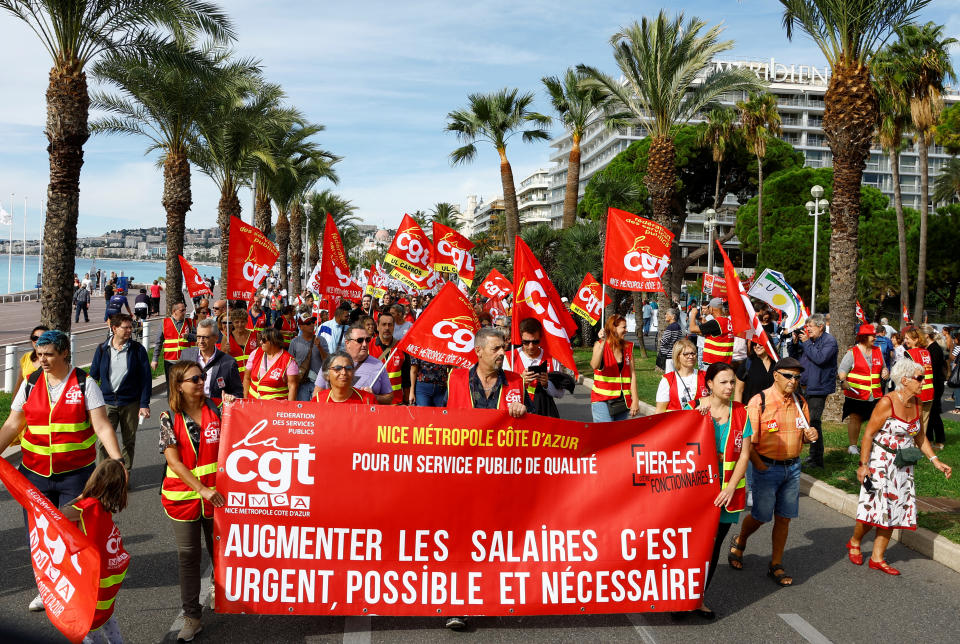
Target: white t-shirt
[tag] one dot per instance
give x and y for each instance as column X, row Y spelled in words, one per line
column 663, row 389
column 92, row 394
column 400, row 330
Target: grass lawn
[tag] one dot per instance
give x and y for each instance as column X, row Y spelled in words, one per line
column 5, row 400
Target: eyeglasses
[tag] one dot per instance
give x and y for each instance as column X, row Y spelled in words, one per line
column 204, row 337
column 194, row 379
column 342, row 367
column 689, row 354
column 362, row 340
column 534, row 342
column 789, row 376
column 34, row 338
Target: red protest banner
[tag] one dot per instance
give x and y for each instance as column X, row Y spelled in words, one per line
column 495, row 307
column 536, row 297
column 496, row 285
column 295, row 538
column 451, row 253
column 66, row 564
column 586, row 303
column 636, row 252
column 196, row 285
column 334, row 277
column 427, row 282
column 410, row 249
column 251, row 255
column 445, row 330
column 377, row 284
column 861, row 316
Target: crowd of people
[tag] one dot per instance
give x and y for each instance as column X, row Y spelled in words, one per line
column 766, row 402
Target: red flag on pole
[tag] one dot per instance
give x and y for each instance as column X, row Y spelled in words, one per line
column 537, row 298
column 410, row 249
column 445, row 331
column 586, row 303
column 451, row 253
column 335, row 278
column 496, row 285
column 250, row 257
column 636, row 252
column 860, row 315
column 746, row 323
column 196, row 285
column 906, row 315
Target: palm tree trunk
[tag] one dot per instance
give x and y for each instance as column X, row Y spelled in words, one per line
column 262, row 215
column 923, row 151
column 573, row 185
column 176, row 201
column 68, row 105
column 660, row 179
column 229, row 206
column 511, row 212
column 283, row 245
column 638, row 316
column 314, row 252
column 296, row 247
column 901, row 230
column 759, row 205
column 716, row 190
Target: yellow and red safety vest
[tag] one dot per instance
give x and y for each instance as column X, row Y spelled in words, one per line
column 394, row 368
column 97, row 524
column 242, row 354
column 273, row 384
column 59, row 437
column 864, row 378
column 922, row 357
column 731, row 454
column 719, row 348
column 612, row 381
column 458, row 390
column 174, row 342
column 180, row 501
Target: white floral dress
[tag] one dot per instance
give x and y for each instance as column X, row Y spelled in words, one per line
column 893, row 502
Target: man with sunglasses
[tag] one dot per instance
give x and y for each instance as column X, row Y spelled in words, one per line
column 370, row 374
column 774, row 474
column 532, row 361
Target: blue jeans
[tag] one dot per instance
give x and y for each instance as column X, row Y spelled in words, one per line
column 430, row 395
column 956, row 398
column 601, row 413
column 776, row 490
column 59, row 489
column 646, row 325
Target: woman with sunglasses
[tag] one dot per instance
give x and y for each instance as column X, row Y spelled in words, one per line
column 272, row 373
column 685, row 385
column 887, row 498
column 189, row 441
column 29, row 362
column 338, row 369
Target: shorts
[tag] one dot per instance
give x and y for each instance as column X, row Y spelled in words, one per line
column 776, row 491
column 862, row 408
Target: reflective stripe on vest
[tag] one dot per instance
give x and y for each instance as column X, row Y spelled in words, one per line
column 731, row 454
column 610, row 382
column 180, row 501
column 59, row 438
column 922, row 358
column 98, row 525
column 288, row 330
column 865, row 378
column 719, row 348
column 242, row 354
column 174, row 341
column 273, row 384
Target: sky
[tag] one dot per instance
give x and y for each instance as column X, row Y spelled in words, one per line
column 381, row 77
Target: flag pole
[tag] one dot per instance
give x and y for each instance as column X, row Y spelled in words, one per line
column 23, row 268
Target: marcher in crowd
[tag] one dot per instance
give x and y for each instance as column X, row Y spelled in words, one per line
column 271, row 372
column 241, row 341
column 287, row 324
column 646, row 314
column 756, row 372
column 817, row 353
column 335, row 331
column 774, row 475
column 916, row 351
column 116, row 304
column 732, row 431
column 365, row 308
column 189, row 441
column 429, row 383
column 614, row 396
column 220, row 371
column 685, row 385
column 400, row 323
column 368, row 324
column 898, row 348
column 309, row 351
column 368, row 371
column 860, row 372
column 256, row 317
column 717, row 332
column 104, row 494
column 668, row 338
column 487, row 385
column 81, row 303
column 30, row 361
column 64, row 414
column 534, row 364
column 155, row 289
column 120, row 366
column 176, row 334
column 888, row 497
column 938, row 366
column 383, row 348
column 885, row 344
column 141, row 305
column 338, row 369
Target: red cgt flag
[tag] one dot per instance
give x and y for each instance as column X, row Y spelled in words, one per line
column 586, row 303
column 410, row 249
column 536, row 297
column 66, row 564
column 196, row 285
column 451, row 253
column 746, row 323
column 636, row 252
column 334, row 277
column 427, row 282
column 860, row 315
column 496, row 286
column 445, row 331
column 250, row 257
column 906, row 315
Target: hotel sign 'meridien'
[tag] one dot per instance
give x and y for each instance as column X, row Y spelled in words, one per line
column 778, row 72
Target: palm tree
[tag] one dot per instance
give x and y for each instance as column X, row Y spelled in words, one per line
column 760, row 119
column 894, row 120
column 921, row 65
column 947, row 185
column 849, row 33
column 483, row 245
column 446, row 214
column 234, row 135
column 319, row 204
column 613, row 191
column 495, row 118
column 162, row 99
column 662, row 62
column 421, row 217
column 718, row 132
column 574, row 102
column 75, row 34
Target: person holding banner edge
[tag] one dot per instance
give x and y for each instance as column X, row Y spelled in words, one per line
column 486, row 385
column 338, row 369
column 685, row 385
column 614, row 396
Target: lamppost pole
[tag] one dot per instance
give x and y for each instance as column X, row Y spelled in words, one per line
column 815, row 208
column 710, row 221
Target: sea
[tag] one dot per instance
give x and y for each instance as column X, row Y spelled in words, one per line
column 13, row 266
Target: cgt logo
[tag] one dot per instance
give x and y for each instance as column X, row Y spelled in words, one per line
column 416, row 252
column 640, row 259
column 343, row 280
column 461, row 258
column 533, row 294
column 492, row 290
column 455, row 330
column 589, row 297
column 73, row 396
column 274, row 465
column 513, row 396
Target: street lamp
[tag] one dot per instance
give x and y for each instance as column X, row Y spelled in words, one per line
column 815, row 208
column 710, row 221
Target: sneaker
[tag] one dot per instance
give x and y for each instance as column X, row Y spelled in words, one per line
column 37, row 604
column 456, row 623
column 191, row 626
column 854, row 450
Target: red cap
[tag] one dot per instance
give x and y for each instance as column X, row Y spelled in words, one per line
column 866, row 329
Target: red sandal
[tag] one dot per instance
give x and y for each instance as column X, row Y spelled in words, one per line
column 855, row 559
column 883, row 566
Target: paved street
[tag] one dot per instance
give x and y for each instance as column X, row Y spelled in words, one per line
column 831, row 598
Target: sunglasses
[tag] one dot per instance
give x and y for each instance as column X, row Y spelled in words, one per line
column 342, row 367
column 194, row 379
column 918, row 378
column 534, row 342
column 362, row 340
column 688, row 354
column 34, row 338
column 789, row 376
